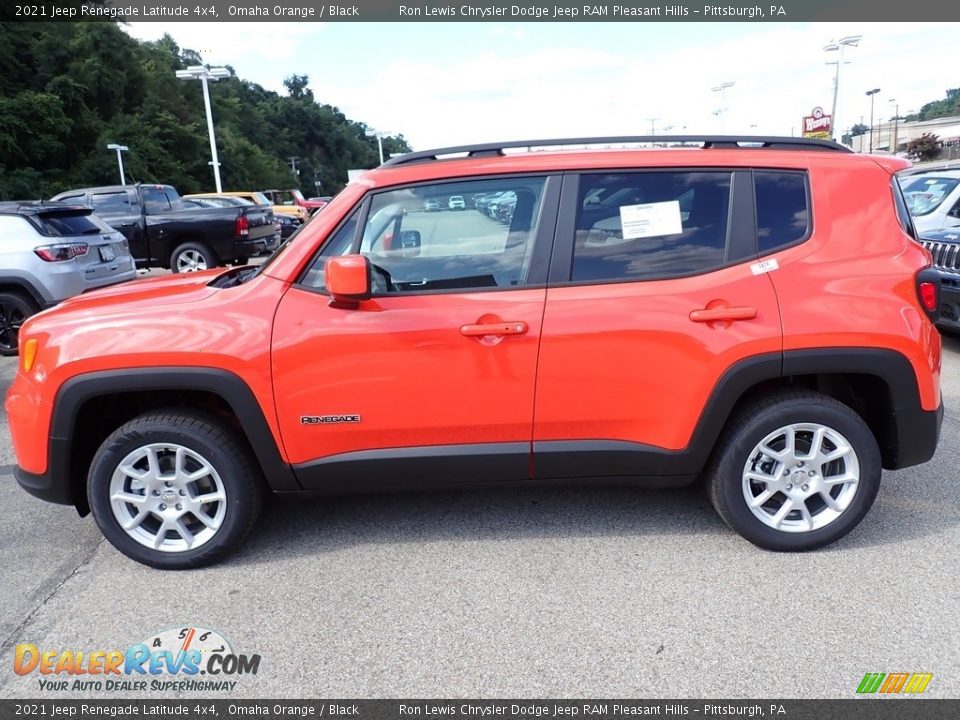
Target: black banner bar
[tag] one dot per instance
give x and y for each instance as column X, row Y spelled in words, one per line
column 201, row 709
column 480, row 11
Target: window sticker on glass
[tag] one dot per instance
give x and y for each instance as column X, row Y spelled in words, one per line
column 651, row 220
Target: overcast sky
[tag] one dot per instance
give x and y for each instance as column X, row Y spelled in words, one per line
column 454, row 83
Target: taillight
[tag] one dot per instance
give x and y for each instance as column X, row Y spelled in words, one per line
column 928, row 292
column 60, row 253
column 241, row 228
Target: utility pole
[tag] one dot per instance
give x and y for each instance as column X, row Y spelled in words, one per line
column 870, row 94
column 896, row 125
column 653, row 125
column 722, row 89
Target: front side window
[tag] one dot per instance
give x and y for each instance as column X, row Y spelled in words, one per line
column 649, row 225
column 416, row 242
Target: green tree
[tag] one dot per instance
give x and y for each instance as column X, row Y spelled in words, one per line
column 925, row 147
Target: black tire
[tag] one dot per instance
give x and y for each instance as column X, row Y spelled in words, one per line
column 228, row 455
column 15, row 307
column 193, row 256
column 725, row 476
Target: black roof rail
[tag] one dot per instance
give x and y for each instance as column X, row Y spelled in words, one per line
column 704, row 141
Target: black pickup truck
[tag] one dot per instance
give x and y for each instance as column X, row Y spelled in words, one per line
column 162, row 233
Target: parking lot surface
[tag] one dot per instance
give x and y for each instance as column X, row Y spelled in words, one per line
column 554, row 592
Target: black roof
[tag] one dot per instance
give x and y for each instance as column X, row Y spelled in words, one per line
column 40, row 207
column 705, row 141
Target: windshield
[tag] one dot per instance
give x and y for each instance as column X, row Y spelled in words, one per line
column 926, row 194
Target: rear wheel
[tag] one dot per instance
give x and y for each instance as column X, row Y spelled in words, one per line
column 795, row 472
column 15, row 308
column 192, row 257
column 174, row 490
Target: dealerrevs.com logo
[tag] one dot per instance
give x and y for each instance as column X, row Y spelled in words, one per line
column 188, row 659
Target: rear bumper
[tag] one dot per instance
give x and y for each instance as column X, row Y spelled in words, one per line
column 248, row 248
column 919, row 433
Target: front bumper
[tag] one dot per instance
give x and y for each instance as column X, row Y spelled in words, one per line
column 54, row 484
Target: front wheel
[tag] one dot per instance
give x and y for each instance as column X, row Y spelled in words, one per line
column 174, row 490
column 15, row 308
column 192, row 257
column 795, row 472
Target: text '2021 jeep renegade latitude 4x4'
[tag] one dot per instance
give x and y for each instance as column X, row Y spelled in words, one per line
column 757, row 314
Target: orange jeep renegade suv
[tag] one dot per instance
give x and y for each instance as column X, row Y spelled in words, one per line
column 755, row 312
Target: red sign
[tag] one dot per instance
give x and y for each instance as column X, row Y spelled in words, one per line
column 818, row 125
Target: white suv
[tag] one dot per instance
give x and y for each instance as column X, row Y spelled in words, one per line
column 934, row 199
column 456, row 202
column 50, row 251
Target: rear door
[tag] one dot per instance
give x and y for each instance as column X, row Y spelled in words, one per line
column 654, row 293
column 431, row 380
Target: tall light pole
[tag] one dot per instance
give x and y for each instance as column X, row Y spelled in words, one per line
column 293, row 168
column 653, row 125
column 844, row 42
column 870, row 94
column 119, row 149
column 379, row 134
column 205, row 76
column 722, row 89
column 896, row 125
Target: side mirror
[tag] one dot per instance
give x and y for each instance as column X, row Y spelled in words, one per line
column 347, row 278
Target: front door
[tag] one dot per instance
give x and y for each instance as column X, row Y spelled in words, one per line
column 432, row 379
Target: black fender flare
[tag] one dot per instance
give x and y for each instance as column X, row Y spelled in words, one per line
column 232, row 389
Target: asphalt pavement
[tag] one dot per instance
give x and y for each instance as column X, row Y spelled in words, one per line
column 558, row 592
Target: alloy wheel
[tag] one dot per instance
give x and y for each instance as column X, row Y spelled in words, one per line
column 168, row 497
column 801, row 477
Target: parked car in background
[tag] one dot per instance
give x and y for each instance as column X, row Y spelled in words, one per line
column 933, row 199
column 258, row 198
column 213, row 200
column 293, row 197
column 162, row 233
column 49, row 252
column 431, row 205
column 288, row 225
column 456, row 203
column 944, row 247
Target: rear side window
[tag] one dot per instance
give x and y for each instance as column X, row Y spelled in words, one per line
column 650, row 225
column 69, row 224
column 117, row 203
column 783, row 213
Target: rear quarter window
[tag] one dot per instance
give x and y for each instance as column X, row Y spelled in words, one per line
column 783, row 209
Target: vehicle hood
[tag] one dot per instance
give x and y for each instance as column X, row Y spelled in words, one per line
column 942, row 236
column 167, row 290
